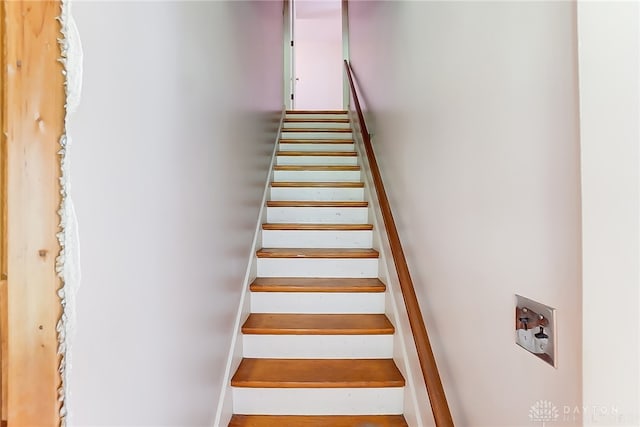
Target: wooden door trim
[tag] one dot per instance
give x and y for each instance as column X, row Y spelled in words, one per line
column 33, row 100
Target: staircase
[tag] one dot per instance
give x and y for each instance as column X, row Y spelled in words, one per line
column 317, row 345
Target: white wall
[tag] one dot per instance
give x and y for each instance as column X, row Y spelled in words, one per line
column 474, row 109
column 173, row 137
column 318, row 54
column 610, row 133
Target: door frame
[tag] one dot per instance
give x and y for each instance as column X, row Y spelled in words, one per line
column 289, row 87
column 32, row 98
column 346, row 93
column 289, row 83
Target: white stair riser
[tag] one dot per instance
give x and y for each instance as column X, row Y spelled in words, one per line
column 301, row 146
column 318, row 302
column 317, row 160
column 316, row 135
column 317, row 116
column 316, row 125
column 317, row 238
column 316, row 176
column 318, row 401
column 318, row 267
column 318, row 346
column 313, row 215
column 317, row 193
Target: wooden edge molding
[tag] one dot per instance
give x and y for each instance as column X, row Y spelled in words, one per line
column 317, row 153
column 349, row 168
column 299, row 253
column 317, row 284
column 316, row 112
column 437, row 397
column 315, row 204
column 315, row 120
column 317, row 184
column 317, row 420
column 33, row 105
column 317, row 373
column 318, row 130
column 280, row 226
column 315, row 141
column 3, row 224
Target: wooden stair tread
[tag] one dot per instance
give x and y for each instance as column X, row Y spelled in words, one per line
column 323, row 130
column 317, row 324
column 315, row 120
column 316, row 111
column 316, row 284
column 315, row 204
column 334, row 253
column 327, row 168
column 316, row 227
column 318, row 421
column 318, row 153
column 328, row 184
column 316, row 141
column 317, row 373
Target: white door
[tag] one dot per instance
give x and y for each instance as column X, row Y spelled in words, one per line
column 318, row 55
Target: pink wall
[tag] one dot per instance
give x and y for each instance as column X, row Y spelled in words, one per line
column 474, row 110
column 318, row 54
column 172, row 141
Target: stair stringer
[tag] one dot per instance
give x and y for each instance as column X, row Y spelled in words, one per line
column 404, row 351
column 224, row 409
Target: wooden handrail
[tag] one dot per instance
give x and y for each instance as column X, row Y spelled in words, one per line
column 437, row 398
